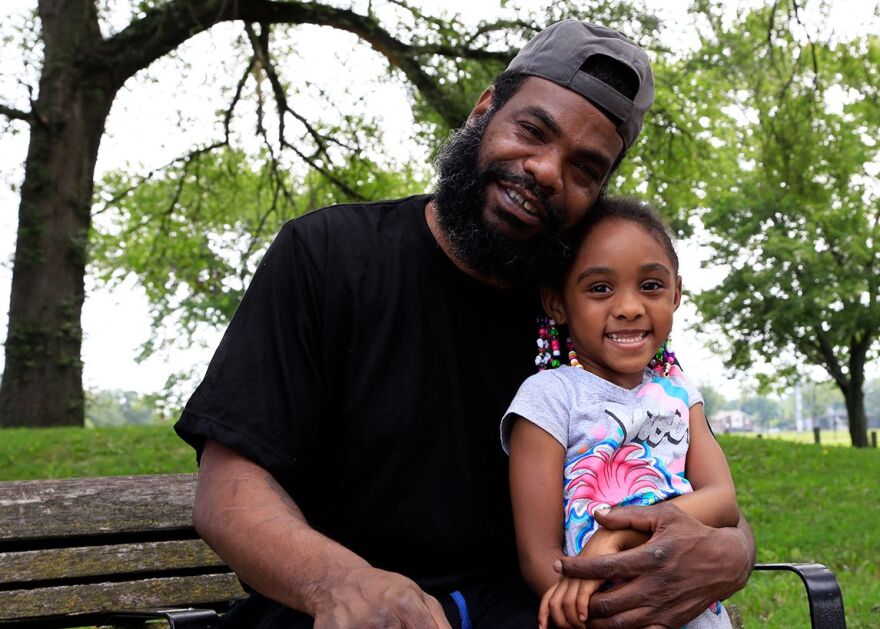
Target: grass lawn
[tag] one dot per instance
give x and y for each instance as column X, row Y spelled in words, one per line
column 838, row 437
column 804, row 502
column 808, row 503
column 70, row 452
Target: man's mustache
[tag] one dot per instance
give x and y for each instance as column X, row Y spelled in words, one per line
column 552, row 214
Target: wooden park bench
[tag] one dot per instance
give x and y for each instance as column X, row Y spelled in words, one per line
column 121, row 550
column 90, row 551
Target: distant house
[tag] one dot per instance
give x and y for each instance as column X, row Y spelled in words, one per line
column 731, row 421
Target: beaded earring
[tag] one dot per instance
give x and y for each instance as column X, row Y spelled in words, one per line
column 548, row 345
column 572, row 355
column 664, row 358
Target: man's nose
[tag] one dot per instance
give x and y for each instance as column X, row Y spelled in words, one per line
column 545, row 167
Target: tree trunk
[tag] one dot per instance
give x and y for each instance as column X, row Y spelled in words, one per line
column 855, row 409
column 42, row 380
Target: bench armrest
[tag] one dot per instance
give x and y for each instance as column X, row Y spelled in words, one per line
column 188, row 618
column 823, row 592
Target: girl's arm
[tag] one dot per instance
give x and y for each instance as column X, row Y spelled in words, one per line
column 536, row 469
column 713, row 501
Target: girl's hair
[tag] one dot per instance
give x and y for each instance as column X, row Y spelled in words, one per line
column 627, row 209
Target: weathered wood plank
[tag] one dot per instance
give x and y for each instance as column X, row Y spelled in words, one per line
column 32, row 510
column 105, row 597
column 88, row 561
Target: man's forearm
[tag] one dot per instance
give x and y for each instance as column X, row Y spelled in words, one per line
column 748, row 540
column 255, row 527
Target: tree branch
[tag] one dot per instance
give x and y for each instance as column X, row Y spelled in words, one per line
column 164, row 28
column 260, row 45
column 16, row 114
column 826, row 351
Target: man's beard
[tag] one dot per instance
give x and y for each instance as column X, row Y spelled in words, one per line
column 460, row 201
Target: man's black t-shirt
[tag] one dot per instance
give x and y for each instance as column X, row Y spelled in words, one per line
column 368, row 375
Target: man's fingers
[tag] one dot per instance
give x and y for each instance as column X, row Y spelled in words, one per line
column 415, row 611
column 626, row 564
column 437, row 613
column 645, row 519
column 627, row 619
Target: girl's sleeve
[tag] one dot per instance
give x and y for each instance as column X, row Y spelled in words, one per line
column 544, row 400
column 693, row 393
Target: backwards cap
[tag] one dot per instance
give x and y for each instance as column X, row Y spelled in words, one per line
column 559, row 51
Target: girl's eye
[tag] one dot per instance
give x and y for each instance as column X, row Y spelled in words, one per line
column 599, row 288
column 651, row 285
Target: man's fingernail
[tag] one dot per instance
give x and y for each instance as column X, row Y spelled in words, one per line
column 557, row 566
column 603, row 510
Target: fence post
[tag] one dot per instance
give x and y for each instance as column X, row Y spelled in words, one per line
column 873, row 438
column 816, row 438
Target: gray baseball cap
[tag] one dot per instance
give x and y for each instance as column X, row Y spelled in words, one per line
column 558, row 52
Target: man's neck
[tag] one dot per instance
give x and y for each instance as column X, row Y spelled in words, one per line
column 440, row 236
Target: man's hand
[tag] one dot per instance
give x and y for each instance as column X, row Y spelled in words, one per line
column 255, row 526
column 567, row 601
column 367, row 597
column 670, row 579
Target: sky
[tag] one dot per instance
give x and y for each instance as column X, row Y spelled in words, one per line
column 143, row 132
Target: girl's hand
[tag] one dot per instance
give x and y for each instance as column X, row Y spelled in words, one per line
column 567, row 603
column 605, row 541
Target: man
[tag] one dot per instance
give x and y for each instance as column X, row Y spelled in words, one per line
column 347, row 426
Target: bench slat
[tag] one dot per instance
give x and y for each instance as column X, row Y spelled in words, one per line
column 106, row 597
column 74, row 563
column 34, row 510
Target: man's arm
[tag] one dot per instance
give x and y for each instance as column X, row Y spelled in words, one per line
column 251, row 522
column 671, row 578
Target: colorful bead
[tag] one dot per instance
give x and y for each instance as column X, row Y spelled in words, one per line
column 664, row 359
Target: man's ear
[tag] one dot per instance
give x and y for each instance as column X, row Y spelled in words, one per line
column 553, row 306
column 677, row 292
column 484, row 102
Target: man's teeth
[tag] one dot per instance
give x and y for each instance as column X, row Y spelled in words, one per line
column 516, row 196
column 627, row 338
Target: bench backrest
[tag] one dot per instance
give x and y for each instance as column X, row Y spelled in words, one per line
column 91, row 545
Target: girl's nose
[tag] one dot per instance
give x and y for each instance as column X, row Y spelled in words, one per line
column 627, row 305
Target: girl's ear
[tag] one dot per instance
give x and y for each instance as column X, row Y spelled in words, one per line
column 553, row 305
column 677, row 292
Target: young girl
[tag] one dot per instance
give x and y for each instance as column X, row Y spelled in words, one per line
column 619, row 425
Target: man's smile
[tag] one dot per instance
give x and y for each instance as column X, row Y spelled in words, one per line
column 520, row 204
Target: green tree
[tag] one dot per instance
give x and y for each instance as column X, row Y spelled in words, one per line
column 793, row 205
column 87, row 49
column 119, row 408
column 764, row 410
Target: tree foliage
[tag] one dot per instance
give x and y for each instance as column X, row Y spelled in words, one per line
column 89, row 49
column 793, row 202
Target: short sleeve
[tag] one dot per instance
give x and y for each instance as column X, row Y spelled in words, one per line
column 544, row 400
column 262, row 393
column 694, row 395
